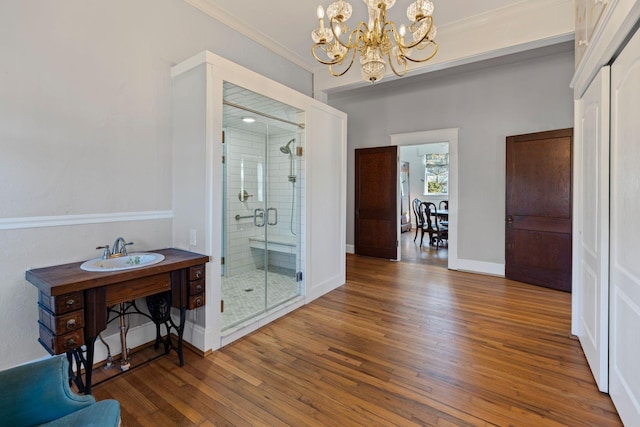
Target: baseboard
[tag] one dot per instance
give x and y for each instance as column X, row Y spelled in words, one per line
column 481, row 267
column 194, row 335
column 351, row 249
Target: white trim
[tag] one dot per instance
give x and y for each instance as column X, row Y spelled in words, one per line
column 472, row 266
column 618, row 20
column 69, row 220
column 431, row 137
column 243, row 28
column 350, row 249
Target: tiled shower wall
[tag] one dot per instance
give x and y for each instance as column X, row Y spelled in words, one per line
column 246, row 159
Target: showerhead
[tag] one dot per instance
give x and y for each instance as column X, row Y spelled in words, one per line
column 285, row 148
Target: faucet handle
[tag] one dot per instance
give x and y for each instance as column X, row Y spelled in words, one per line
column 106, row 253
column 124, row 247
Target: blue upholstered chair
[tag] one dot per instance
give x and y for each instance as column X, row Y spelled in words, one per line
column 38, row 393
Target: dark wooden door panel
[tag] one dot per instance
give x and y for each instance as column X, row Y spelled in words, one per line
column 376, row 172
column 540, row 258
column 538, row 209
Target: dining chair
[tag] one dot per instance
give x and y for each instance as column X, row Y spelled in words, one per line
column 442, row 219
column 416, row 208
column 437, row 232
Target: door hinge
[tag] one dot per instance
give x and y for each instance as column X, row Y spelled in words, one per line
column 223, row 159
column 397, row 243
column 223, row 137
column 299, row 276
column 221, row 260
column 221, row 306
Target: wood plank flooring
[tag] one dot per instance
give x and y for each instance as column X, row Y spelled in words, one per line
column 399, row 344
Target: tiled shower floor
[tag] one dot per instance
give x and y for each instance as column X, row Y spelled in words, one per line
column 244, row 294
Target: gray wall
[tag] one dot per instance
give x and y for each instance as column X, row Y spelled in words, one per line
column 85, row 129
column 487, row 105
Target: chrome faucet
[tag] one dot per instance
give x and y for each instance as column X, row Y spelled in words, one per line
column 119, row 247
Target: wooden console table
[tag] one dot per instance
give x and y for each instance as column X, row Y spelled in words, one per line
column 73, row 304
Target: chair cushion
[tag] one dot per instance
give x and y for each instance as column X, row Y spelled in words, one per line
column 105, row 413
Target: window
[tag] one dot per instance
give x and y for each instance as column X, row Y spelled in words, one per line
column 436, row 174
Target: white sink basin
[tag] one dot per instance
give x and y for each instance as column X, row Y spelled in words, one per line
column 128, row 262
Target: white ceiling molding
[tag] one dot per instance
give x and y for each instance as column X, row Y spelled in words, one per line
column 208, row 7
column 523, row 26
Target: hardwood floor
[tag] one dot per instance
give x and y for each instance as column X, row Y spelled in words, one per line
column 412, row 252
column 399, row 344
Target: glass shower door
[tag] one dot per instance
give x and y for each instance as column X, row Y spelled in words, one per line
column 261, row 241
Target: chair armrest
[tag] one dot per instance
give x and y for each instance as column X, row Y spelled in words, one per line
column 38, row 392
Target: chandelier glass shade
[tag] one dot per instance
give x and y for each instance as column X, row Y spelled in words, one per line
column 378, row 41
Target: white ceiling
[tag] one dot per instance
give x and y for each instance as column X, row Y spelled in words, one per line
column 285, row 25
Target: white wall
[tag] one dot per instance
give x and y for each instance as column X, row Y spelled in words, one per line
column 487, row 105
column 85, row 133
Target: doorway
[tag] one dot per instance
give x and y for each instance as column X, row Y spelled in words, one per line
column 449, row 136
column 426, row 183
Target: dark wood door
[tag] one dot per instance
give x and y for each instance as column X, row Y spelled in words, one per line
column 538, row 209
column 376, row 214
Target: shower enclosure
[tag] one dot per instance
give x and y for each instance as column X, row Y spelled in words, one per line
column 262, row 181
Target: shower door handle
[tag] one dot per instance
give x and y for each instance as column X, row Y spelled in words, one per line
column 258, row 213
column 269, row 216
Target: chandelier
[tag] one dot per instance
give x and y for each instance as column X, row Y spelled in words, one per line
column 375, row 41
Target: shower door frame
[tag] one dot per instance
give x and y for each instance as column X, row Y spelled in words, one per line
column 291, row 262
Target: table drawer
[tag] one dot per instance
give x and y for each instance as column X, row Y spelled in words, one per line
column 59, row 344
column 196, row 288
column 196, row 272
column 61, row 324
column 196, row 301
column 62, row 303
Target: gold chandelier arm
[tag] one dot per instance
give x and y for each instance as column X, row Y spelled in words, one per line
column 333, row 73
column 357, row 33
column 406, row 65
column 324, row 61
column 435, row 50
column 426, row 34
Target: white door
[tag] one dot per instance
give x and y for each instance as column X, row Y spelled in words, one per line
column 591, row 226
column 624, row 352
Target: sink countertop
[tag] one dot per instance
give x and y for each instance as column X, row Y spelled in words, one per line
column 65, row 278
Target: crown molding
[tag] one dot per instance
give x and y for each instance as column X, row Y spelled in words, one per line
column 208, row 7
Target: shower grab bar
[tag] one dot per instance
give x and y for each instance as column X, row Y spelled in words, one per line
column 239, row 217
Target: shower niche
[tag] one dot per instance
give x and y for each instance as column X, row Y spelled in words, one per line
column 259, row 185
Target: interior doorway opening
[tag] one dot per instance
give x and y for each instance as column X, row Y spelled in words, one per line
column 412, row 141
column 424, row 176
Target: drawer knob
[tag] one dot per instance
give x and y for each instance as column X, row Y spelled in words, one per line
column 198, row 302
column 70, row 302
column 70, row 343
column 198, row 274
column 198, row 288
column 71, row 323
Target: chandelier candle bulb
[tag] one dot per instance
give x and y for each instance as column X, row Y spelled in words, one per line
column 320, row 12
column 376, row 41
